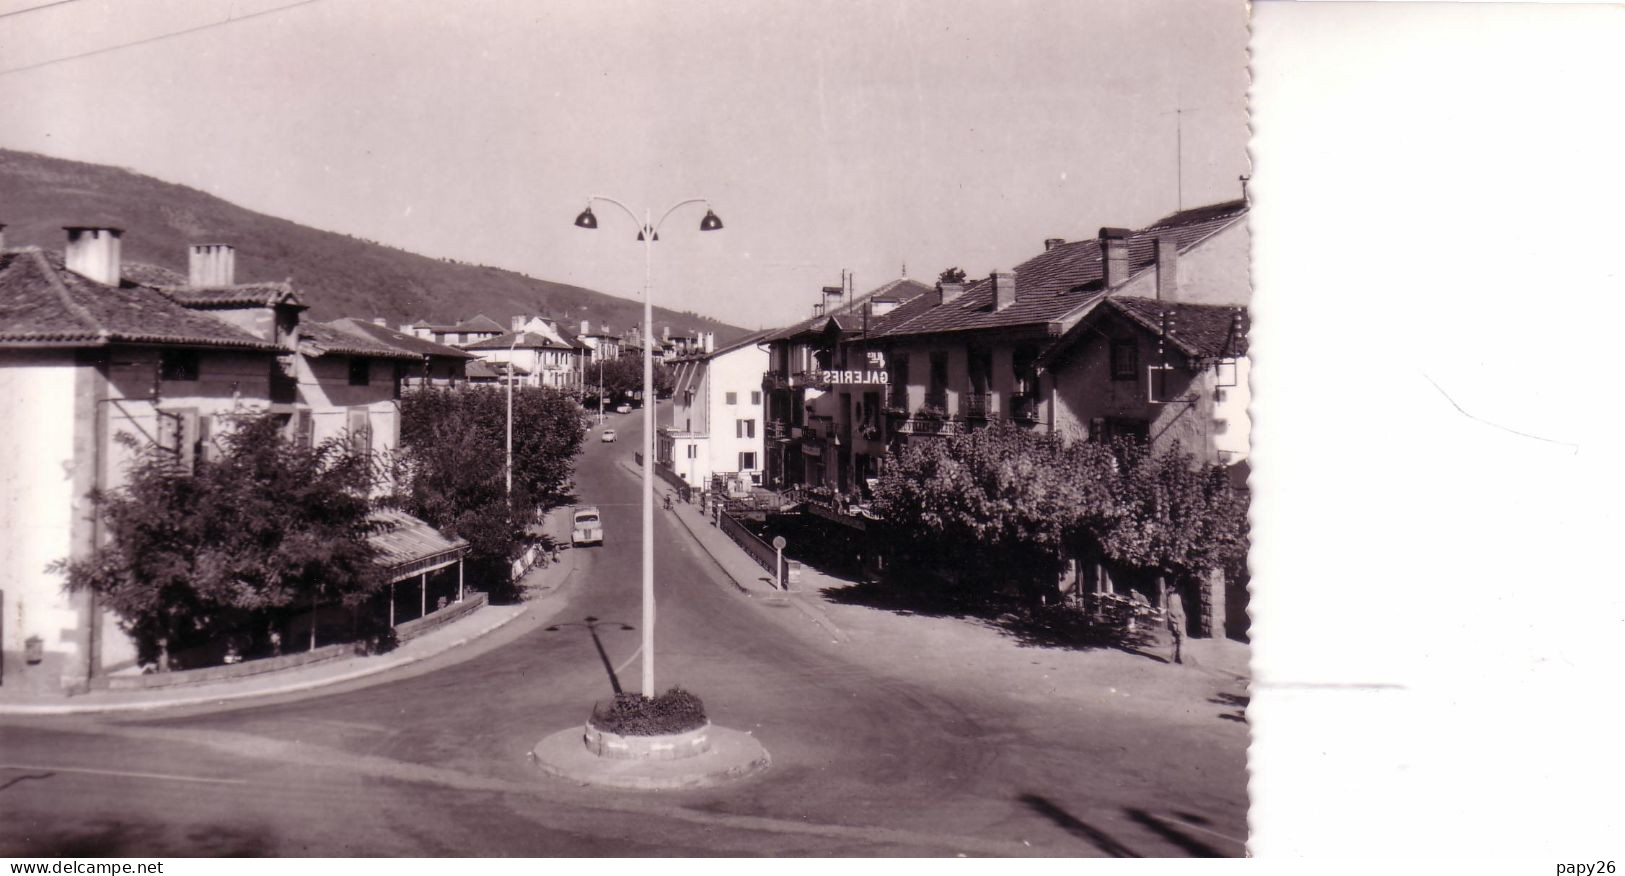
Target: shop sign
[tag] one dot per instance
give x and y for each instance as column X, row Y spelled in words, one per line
column 866, row 377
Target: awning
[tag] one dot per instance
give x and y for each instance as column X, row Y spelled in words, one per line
column 408, row 546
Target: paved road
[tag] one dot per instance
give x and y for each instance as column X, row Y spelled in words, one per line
column 431, row 760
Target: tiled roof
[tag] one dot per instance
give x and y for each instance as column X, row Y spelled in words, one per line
column 44, row 304
column 748, row 341
column 1205, row 330
column 400, row 340
column 151, row 275
column 477, row 323
column 318, row 339
column 525, row 341
column 850, row 316
column 239, row 295
column 404, row 541
column 1058, row 284
column 477, row 369
column 480, row 323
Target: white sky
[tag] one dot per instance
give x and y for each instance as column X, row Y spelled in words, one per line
column 828, row 135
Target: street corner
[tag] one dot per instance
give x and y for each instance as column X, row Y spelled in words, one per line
column 733, row 755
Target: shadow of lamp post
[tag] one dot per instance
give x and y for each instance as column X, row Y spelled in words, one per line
column 591, row 624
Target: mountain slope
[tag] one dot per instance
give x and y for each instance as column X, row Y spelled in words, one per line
column 337, row 274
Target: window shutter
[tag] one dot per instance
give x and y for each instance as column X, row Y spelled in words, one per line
column 305, row 429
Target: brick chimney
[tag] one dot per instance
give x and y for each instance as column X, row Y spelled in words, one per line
column 584, row 330
column 1004, row 289
column 1053, row 242
column 516, row 323
column 950, row 291
column 211, row 264
column 1114, row 265
column 1167, row 249
column 93, row 252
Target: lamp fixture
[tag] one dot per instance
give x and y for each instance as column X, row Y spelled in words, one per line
column 587, row 219
column 711, row 222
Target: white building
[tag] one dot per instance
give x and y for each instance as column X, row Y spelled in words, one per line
column 538, row 352
column 717, row 426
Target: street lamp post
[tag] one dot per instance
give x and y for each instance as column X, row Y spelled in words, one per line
column 508, row 467
column 648, row 233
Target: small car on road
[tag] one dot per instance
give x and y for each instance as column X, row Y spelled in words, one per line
column 586, row 527
column 623, row 409
column 608, row 437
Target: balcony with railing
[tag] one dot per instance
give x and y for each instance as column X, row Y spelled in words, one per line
column 976, row 406
column 1024, row 408
column 809, row 380
column 896, row 401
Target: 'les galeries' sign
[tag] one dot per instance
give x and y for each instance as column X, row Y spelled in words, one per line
column 844, row 378
column 875, row 374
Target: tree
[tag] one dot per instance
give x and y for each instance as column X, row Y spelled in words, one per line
column 1171, row 516
column 999, row 504
column 452, row 465
column 623, row 377
column 236, row 545
column 951, row 275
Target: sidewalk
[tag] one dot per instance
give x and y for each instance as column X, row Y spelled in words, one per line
column 543, row 587
column 967, row 652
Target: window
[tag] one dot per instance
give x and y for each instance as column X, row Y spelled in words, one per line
column 936, row 395
column 756, row 397
column 360, row 371
column 730, row 398
column 747, row 461
column 360, row 426
column 178, row 435
column 693, row 451
column 1125, row 360
column 744, row 428
column 178, row 365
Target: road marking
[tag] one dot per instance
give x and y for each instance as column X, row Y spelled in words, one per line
column 628, row 661
column 122, row 773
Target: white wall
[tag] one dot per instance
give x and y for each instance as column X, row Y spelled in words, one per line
column 37, row 401
column 740, row 372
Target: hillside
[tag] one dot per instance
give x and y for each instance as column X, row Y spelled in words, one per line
column 337, row 274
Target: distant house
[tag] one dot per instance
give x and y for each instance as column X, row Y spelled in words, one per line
column 459, row 334
column 604, row 344
column 442, row 365
column 89, row 356
column 717, row 429
column 543, row 359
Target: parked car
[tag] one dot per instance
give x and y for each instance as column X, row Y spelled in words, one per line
column 586, row 527
column 623, row 409
column 608, row 437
